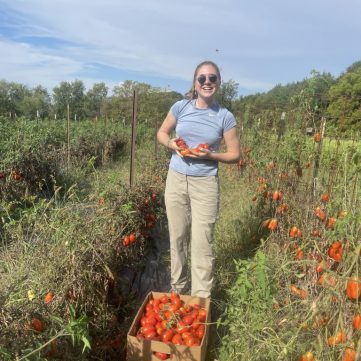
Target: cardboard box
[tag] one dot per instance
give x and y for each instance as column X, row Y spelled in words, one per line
column 143, row 349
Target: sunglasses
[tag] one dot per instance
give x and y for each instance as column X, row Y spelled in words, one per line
column 211, row 77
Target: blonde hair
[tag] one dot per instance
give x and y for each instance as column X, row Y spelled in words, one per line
column 192, row 94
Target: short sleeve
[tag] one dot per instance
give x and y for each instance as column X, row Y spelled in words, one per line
column 229, row 121
column 177, row 107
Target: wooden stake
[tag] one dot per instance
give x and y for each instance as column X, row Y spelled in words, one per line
column 132, row 150
column 68, row 135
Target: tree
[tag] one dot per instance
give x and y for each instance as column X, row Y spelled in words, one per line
column 36, row 103
column 61, row 98
column 72, row 94
column 345, row 101
column 227, row 93
column 95, row 99
column 126, row 89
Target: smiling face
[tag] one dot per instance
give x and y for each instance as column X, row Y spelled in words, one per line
column 206, row 82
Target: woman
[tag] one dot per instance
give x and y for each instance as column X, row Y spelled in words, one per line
column 192, row 188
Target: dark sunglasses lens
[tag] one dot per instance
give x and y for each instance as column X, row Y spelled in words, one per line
column 201, row 79
column 213, row 78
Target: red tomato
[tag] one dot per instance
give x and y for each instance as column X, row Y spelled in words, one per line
column 167, row 335
column 161, row 355
column 150, row 334
column 188, row 320
column 147, row 328
column 164, row 299
column 126, row 241
column 176, row 302
column 187, row 334
column 156, row 302
column 150, row 320
column 174, row 295
column 200, row 331
column 143, row 321
column 37, row 325
column 132, row 238
column 177, row 339
column 335, row 251
column 191, row 341
column 168, row 314
column 202, row 315
column 174, row 307
column 165, row 324
column 356, row 322
column 181, row 328
column 196, row 324
column 160, row 331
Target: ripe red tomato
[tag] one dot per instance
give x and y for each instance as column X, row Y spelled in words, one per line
column 132, row 238
column 202, row 315
column 272, row 224
column 48, row 297
column 167, row 335
column 150, row 320
column 161, row 355
column 37, row 325
column 149, row 307
column 325, row 197
column 295, row 232
column 150, row 334
column 126, row 241
column 185, row 152
column 159, row 330
column 277, row 195
column 164, row 299
column 349, row 355
column 191, row 341
column 188, row 320
column 186, row 335
column 181, row 328
column 335, row 251
column 147, row 328
column 353, row 289
column 177, row 339
column 200, row 331
column 356, row 322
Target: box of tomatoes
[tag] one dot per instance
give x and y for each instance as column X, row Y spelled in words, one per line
column 169, row 326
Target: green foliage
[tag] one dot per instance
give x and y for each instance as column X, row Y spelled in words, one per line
column 227, row 94
column 345, row 101
column 249, row 305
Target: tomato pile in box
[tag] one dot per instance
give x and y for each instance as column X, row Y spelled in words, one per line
column 169, row 326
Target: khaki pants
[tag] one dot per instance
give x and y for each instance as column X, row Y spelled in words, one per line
column 192, row 205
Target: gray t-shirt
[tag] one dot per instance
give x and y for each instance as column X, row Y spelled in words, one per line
column 196, row 126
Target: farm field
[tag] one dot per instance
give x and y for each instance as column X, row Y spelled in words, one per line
column 76, row 240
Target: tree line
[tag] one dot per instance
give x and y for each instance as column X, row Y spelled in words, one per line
column 320, row 95
column 338, row 99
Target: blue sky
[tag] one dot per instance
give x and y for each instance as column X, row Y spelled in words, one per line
column 258, row 43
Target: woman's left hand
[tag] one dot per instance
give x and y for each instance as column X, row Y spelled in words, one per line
column 200, row 152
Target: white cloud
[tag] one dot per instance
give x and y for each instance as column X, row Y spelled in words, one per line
column 51, row 41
